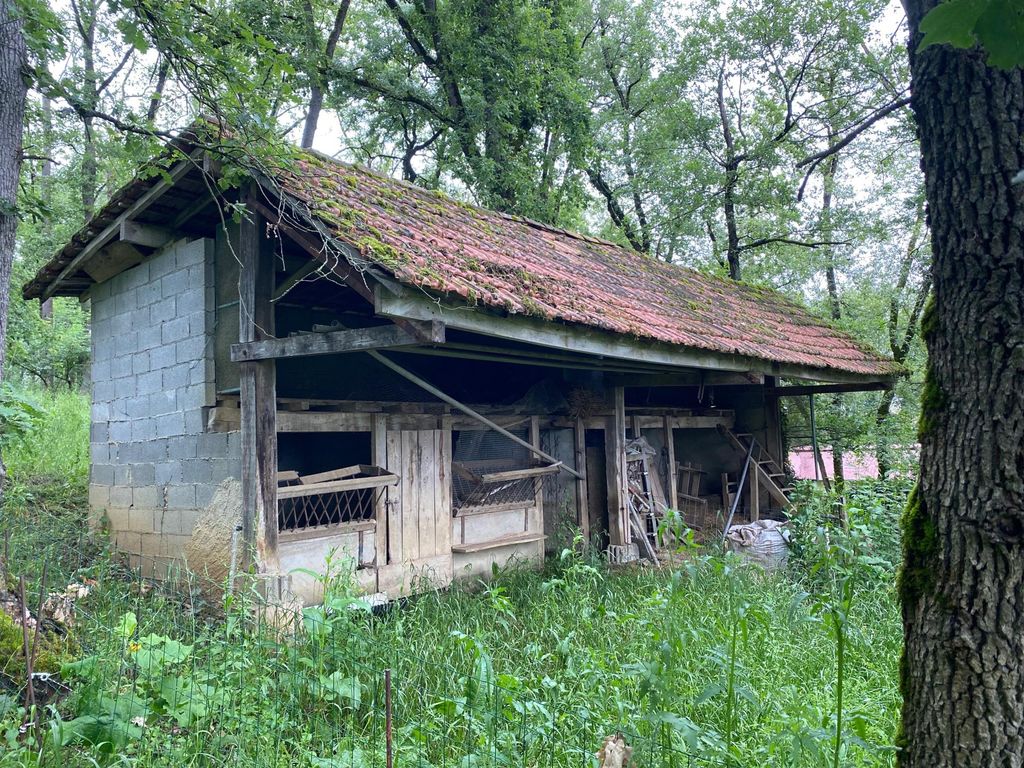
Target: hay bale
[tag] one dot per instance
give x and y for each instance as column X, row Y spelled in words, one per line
column 208, row 552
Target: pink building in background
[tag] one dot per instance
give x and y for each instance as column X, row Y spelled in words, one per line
column 856, row 466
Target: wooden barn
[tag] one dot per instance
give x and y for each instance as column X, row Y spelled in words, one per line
column 424, row 387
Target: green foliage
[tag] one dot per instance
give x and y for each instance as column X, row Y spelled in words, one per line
column 997, row 26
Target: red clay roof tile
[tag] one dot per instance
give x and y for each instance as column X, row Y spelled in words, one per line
column 432, row 242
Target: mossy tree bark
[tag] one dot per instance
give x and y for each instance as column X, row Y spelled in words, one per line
column 13, row 89
column 963, row 580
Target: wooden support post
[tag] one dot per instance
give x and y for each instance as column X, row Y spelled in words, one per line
column 673, row 475
column 615, row 462
column 538, row 486
column 379, row 454
column 754, row 484
column 582, row 502
column 637, row 432
column 258, row 396
column 773, row 424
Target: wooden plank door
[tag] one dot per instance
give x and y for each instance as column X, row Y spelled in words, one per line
column 419, row 508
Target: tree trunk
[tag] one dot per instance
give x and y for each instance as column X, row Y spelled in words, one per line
column 13, row 65
column 962, row 583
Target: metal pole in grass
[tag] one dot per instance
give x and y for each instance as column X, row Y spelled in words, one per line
column 387, row 719
column 30, row 694
column 35, row 648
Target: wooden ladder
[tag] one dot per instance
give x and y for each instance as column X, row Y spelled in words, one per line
column 769, row 473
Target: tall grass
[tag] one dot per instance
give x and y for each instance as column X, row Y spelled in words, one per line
column 44, row 502
column 713, row 658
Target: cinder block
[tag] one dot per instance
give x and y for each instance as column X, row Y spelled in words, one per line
column 139, row 319
column 192, row 302
column 212, row 445
column 174, row 377
column 172, row 545
column 181, row 497
column 100, row 370
column 224, row 468
column 149, row 293
column 99, row 294
column 137, row 407
column 148, row 335
column 101, row 474
column 170, row 424
column 126, row 300
column 163, row 402
column 174, row 329
column 117, row 519
column 99, row 452
column 141, row 520
column 197, row 471
column 196, row 322
column 140, row 363
column 163, row 356
column 120, row 431
column 149, row 383
column 187, row 254
column 123, row 475
column 99, row 496
column 147, row 496
column 168, row 472
column 99, row 432
column 204, row 495
column 103, row 348
column 121, row 496
column 198, row 374
column 120, row 366
column 162, row 311
column 181, row 522
column 136, row 276
column 174, row 283
column 143, row 429
column 153, row 451
column 126, row 387
column 191, row 350
column 161, row 264
column 182, row 447
column 120, row 325
column 102, row 390
column 194, row 421
column 143, row 474
column 150, row 544
column 128, row 541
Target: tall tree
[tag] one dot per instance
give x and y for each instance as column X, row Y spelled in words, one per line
column 962, row 583
column 498, row 79
column 13, row 91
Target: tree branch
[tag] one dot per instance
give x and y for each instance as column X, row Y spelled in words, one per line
column 789, row 241
column 870, row 120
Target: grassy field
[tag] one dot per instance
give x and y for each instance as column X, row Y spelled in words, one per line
column 709, row 660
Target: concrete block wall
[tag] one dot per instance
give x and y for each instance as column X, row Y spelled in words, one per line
column 154, row 468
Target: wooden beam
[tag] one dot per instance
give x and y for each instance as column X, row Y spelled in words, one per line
column 147, row 235
column 582, row 339
column 464, row 408
column 257, row 397
column 379, row 456
column 582, row 503
column 754, row 483
column 615, row 468
column 673, row 476
column 307, row 269
column 112, row 260
column 331, row 343
column 825, row 389
column 114, row 228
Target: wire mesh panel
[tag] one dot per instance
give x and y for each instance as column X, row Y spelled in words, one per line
column 322, row 500
column 490, row 470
